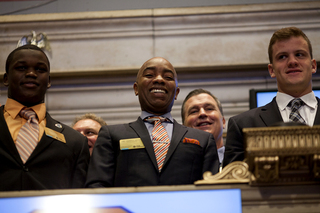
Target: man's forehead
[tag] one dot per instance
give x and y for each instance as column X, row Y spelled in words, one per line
column 205, row 98
column 281, row 44
column 157, row 62
column 25, row 53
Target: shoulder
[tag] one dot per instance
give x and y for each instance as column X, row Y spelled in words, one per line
column 189, row 129
column 115, row 127
column 198, row 132
column 69, row 133
column 117, row 131
column 253, row 114
column 191, row 132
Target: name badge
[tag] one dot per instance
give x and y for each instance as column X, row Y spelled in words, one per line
column 54, row 134
column 132, row 143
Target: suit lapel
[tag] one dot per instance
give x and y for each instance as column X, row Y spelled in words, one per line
column 177, row 134
column 6, row 139
column 46, row 140
column 270, row 113
column 317, row 118
column 141, row 130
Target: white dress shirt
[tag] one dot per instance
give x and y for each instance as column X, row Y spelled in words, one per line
column 307, row 111
column 167, row 125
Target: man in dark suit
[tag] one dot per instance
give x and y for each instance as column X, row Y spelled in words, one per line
column 292, row 64
column 60, row 155
column 126, row 154
column 202, row 110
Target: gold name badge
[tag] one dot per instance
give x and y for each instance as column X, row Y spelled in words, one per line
column 54, row 134
column 132, row 143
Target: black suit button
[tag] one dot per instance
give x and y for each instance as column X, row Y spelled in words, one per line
column 25, row 169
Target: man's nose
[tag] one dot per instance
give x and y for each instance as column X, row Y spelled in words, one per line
column 202, row 112
column 159, row 79
column 31, row 72
column 292, row 61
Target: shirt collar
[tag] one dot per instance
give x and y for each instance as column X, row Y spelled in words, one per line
column 284, row 99
column 145, row 114
column 14, row 107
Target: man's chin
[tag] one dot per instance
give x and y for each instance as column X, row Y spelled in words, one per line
column 204, row 128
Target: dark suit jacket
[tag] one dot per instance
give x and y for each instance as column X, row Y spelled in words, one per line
column 184, row 163
column 259, row 117
column 52, row 165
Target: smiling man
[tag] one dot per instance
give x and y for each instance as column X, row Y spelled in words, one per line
column 154, row 149
column 36, row 151
column 292, row 64
column 202, row 110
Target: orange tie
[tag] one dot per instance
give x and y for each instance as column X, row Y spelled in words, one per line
column 160, row 140
column 28, row 135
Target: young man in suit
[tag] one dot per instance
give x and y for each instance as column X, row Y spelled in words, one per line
column 202, row 110
column 127, row 154
column 37, row 152
column 292, row 64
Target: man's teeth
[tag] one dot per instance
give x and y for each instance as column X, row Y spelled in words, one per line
column 203, row 124
column 158, row 90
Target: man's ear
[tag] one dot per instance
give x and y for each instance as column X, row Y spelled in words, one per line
column 177, row 92
column 314, row 66
column 223, row 122
column 135, row 87
column 49, row 83
column 5, row 79
column 271, row 71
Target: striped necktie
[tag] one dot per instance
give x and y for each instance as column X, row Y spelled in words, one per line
column 160, row 139
column 28, row 135
column 295, row 105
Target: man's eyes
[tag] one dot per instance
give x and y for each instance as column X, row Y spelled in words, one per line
column 91, row 133
column 282, row 57
column 42, row 70
column 193, row 111
column 21, row 68
column 38, row 69
column 148, row 75
column 169, row 77
column 165, row 77
column 300, row 54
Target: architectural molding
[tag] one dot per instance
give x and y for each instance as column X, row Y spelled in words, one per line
column 201, row 37
column 96, row 55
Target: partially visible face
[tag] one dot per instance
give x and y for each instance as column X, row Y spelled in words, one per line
column 28, row 77
column 202, row 112
column 292, row 66
column 90, row 129
column 156, row 86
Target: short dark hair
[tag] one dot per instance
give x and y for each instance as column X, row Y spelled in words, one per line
column 284, row 34
column 198, row 92
column 91, row 116
column 24, row 47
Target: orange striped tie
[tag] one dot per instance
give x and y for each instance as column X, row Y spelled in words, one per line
column 28, row 135
column 160, row 140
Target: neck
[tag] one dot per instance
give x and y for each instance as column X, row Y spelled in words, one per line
column 219, row 143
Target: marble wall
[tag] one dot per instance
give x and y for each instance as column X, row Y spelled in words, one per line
column 96, row 55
